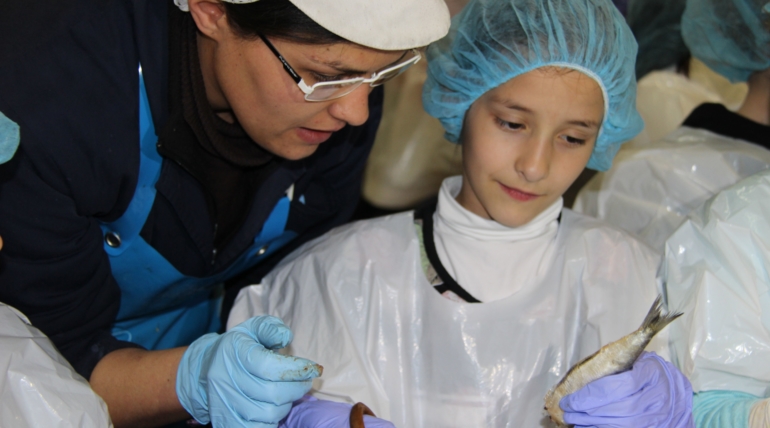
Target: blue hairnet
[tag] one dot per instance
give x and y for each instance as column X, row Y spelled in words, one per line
column 657, row 26
column 493, row 41
column 9, row 138
column 732, row 37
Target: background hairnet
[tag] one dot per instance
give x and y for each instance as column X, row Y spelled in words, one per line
column 492, row 41
column 9, row 138
column 732, row 37
column 656, row 24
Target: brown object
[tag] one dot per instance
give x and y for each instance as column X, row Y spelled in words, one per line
column 357, row 415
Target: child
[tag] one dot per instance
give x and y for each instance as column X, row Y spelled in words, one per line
column 465, row 313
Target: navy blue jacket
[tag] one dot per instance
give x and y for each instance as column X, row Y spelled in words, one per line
column 68, row 77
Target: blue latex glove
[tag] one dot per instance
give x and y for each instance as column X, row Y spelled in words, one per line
column 313, row 413
column 235, row 380
column 716, row 409
column 652, row 394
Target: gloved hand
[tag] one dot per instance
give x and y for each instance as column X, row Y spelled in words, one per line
column 235, row 380
column 725, row 408
column 652, row 394
column 311, row 412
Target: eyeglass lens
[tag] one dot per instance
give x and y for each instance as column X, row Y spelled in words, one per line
column 330, row 90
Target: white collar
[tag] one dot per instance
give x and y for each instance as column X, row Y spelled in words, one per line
column 453, row 216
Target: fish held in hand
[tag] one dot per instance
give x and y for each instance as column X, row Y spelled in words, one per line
column 612, row 358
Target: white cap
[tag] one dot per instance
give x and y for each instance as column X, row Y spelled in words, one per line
column 379, row 24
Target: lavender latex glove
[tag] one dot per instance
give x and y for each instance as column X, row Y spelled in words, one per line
column 652, row 394
column 310, row 412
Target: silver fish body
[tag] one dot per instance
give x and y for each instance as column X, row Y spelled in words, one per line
column 612, row 358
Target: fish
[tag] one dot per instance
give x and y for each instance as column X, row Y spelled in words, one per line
column 613, row 358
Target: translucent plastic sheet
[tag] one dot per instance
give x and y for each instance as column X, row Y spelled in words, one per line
column 39, row 388
column 651, row 189
column 717, row 272
column 359, row 303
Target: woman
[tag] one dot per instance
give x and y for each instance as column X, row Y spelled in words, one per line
column 167, row 150
column 465, row 313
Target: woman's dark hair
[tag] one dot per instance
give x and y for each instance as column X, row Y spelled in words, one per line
column 278, row 19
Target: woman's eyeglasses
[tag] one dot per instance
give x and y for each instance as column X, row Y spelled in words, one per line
column 324, row 91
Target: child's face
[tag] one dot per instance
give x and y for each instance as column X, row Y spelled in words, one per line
column 526, row 141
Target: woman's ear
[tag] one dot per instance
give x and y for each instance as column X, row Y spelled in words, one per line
column 210, row 17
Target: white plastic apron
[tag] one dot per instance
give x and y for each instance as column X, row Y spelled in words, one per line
column 38, row 387
column 717, row 270
column 358, row 303
column 650, row 190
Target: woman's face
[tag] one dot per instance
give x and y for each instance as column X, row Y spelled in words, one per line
column 245, row 81
column 526, row 141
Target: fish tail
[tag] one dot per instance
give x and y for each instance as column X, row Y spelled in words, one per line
column 655, row 320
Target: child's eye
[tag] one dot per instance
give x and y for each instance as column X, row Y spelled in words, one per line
column 573, row 140
column 508, row 125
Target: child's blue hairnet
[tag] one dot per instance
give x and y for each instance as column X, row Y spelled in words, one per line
column 732, row 37
column 493, row 41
